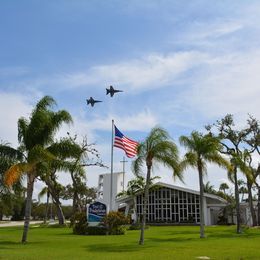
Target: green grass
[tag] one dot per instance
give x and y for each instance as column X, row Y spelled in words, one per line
column 160, row 243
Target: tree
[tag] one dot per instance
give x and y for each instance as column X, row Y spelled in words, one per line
column 157, row 147
column 83, row 155
column 253, row 140
column 232, row 142
column 244, row 162
column 201, row 149
column 223, row 187
column 242, row 188
column 208, row 188
column 34, row 136
column 45, row 191
column 135, row 186
column 11, row 199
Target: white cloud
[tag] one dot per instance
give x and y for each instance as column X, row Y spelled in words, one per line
column 12, row 107
column 140, row 121
column 231, row 85
column 150, row 72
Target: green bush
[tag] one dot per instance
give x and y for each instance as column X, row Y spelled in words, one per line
column 97, row 230
column 79, row 224
column 114, row 222
column 136, row 227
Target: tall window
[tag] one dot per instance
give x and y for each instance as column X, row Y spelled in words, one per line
column 169, row 205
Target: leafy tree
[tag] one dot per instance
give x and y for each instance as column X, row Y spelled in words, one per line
column 114, row 222
column 202, row 149
column 157, row 147
column 135, row 186
column 223, row 186
column 253, row 140
column 208, row 188
column 85, row 156
column 242, row 188
column 244, row 162
column 11, row 199
column 34, row 136
column 43, row 192
column 232, row 141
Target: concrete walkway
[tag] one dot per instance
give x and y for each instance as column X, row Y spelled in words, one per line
column 17, row 223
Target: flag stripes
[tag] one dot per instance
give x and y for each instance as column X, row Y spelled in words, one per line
column 124, row 143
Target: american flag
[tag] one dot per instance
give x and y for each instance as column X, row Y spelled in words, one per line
column 124, row 143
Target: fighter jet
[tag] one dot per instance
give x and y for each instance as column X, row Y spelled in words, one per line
column 92, row 101
column 112, row 91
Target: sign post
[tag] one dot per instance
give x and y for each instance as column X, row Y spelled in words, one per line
column 96, row 212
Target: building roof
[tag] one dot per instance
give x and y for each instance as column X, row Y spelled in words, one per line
column 166, row 185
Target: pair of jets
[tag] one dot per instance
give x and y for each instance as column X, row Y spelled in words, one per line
column 91, row 101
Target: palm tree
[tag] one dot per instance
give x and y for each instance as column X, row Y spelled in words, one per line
column 224, row 186
column 64, row 151
column 242, row 188
column 208, row 188
column 43, row 192
column 135, row 186
column 34, row 136
column 157, row 147
column 201, row 149
column 10, row 199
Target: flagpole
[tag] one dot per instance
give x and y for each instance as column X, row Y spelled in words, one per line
column 111, row 177
column 124, row 161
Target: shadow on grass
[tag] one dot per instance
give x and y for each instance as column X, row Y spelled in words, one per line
column 15, row 244
column 8, row 244
column 112, row 248
column 186, row 232
column 171, row 239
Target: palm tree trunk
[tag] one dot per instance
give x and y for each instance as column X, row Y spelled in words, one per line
column 60, row 214
column 202, row 220
column 57, row 203
column 28, row 207
column 134, row 210
column 258, row 207
column 146, row 193
column 76, row 205
column 47, row 207
column 237, row 202
column 250, row 201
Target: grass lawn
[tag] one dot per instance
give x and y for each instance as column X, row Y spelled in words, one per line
column 160, row 243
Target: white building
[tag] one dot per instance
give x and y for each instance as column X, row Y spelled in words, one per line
column 172, row 204
column 103, row 193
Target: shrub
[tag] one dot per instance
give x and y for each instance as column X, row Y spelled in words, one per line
column 136, row 226
column 97, row 230
column 114, row 222
column 79, row 224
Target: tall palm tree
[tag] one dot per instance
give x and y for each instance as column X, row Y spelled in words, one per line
column 135, row 186
column 208, row 188
column 34, row 136
column 157, row 147
column 224, row 186
column 64, row 151
column 43, row 192
column 8, row 197
column 201, row 149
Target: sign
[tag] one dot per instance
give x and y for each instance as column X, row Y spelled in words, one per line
column 96, row 211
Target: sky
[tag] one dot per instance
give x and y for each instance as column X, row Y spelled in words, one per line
column 181, row 65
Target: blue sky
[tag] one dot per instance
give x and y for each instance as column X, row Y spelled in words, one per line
column 181, row 65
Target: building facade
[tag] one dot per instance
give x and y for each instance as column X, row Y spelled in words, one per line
column 172, row 204
column 103, row 191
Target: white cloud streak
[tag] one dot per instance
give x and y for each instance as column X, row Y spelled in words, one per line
column 150, row 72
